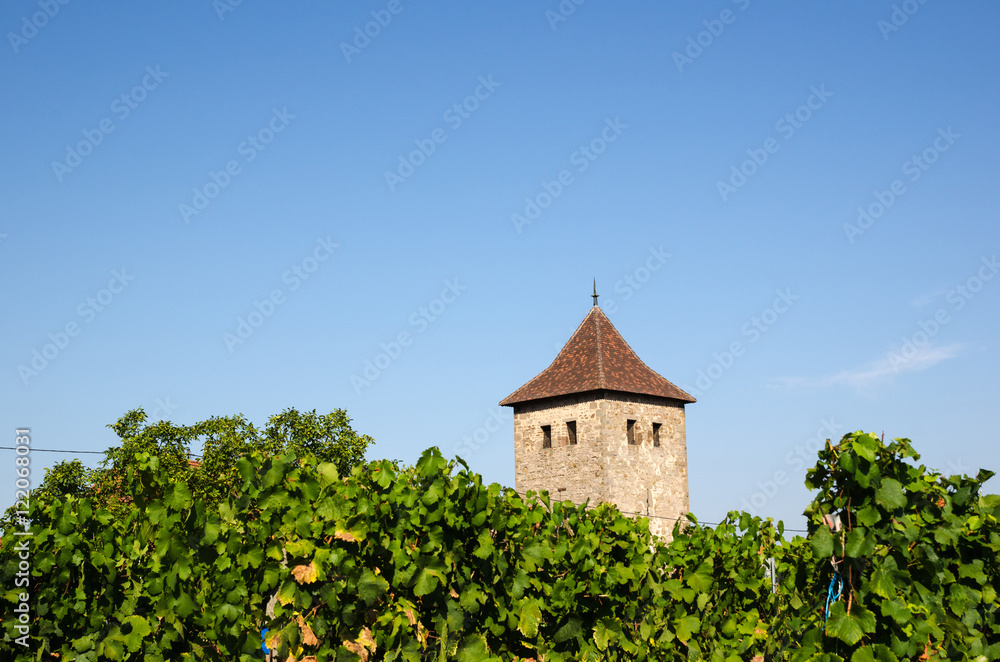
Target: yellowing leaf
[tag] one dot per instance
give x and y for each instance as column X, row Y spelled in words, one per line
column 308, row 636
column 304, row 574
column 362, row 646
column 366, row 639
column 286, row 594
column 357, row 649
column 345, row 535
column 531, row 617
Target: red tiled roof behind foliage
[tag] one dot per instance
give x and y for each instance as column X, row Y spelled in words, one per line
column 596, row 358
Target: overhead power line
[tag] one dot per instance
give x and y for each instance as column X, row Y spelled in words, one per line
column 58, row 450
column 48, row 450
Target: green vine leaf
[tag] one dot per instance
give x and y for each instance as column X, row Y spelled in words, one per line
column 890, row 494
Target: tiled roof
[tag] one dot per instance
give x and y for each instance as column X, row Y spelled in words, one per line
column 596, row 358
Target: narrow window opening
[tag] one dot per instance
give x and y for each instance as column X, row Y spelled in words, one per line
column 630, row 431
column 656, row 434
column 546, row 436
column 571, row 432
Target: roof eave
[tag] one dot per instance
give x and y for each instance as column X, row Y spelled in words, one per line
column 511, row 400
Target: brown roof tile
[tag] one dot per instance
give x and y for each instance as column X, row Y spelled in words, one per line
column 596, row 358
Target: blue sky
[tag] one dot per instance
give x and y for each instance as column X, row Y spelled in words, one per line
column 790, row 211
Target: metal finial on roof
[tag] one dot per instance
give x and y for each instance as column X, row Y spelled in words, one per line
column 595, row 294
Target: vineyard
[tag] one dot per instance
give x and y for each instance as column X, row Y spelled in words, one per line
column 428, row 563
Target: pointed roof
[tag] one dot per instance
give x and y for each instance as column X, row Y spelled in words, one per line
column 596, row 358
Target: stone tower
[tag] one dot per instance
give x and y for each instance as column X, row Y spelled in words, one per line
column 599, row 424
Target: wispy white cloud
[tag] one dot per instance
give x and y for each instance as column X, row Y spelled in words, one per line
column 881, row 370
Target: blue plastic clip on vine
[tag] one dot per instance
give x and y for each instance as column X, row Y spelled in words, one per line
column 836, row 587
column 833, row 594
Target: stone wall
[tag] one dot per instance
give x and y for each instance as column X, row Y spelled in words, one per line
column 603, row 466
column 642, row 478
column 568, row 472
